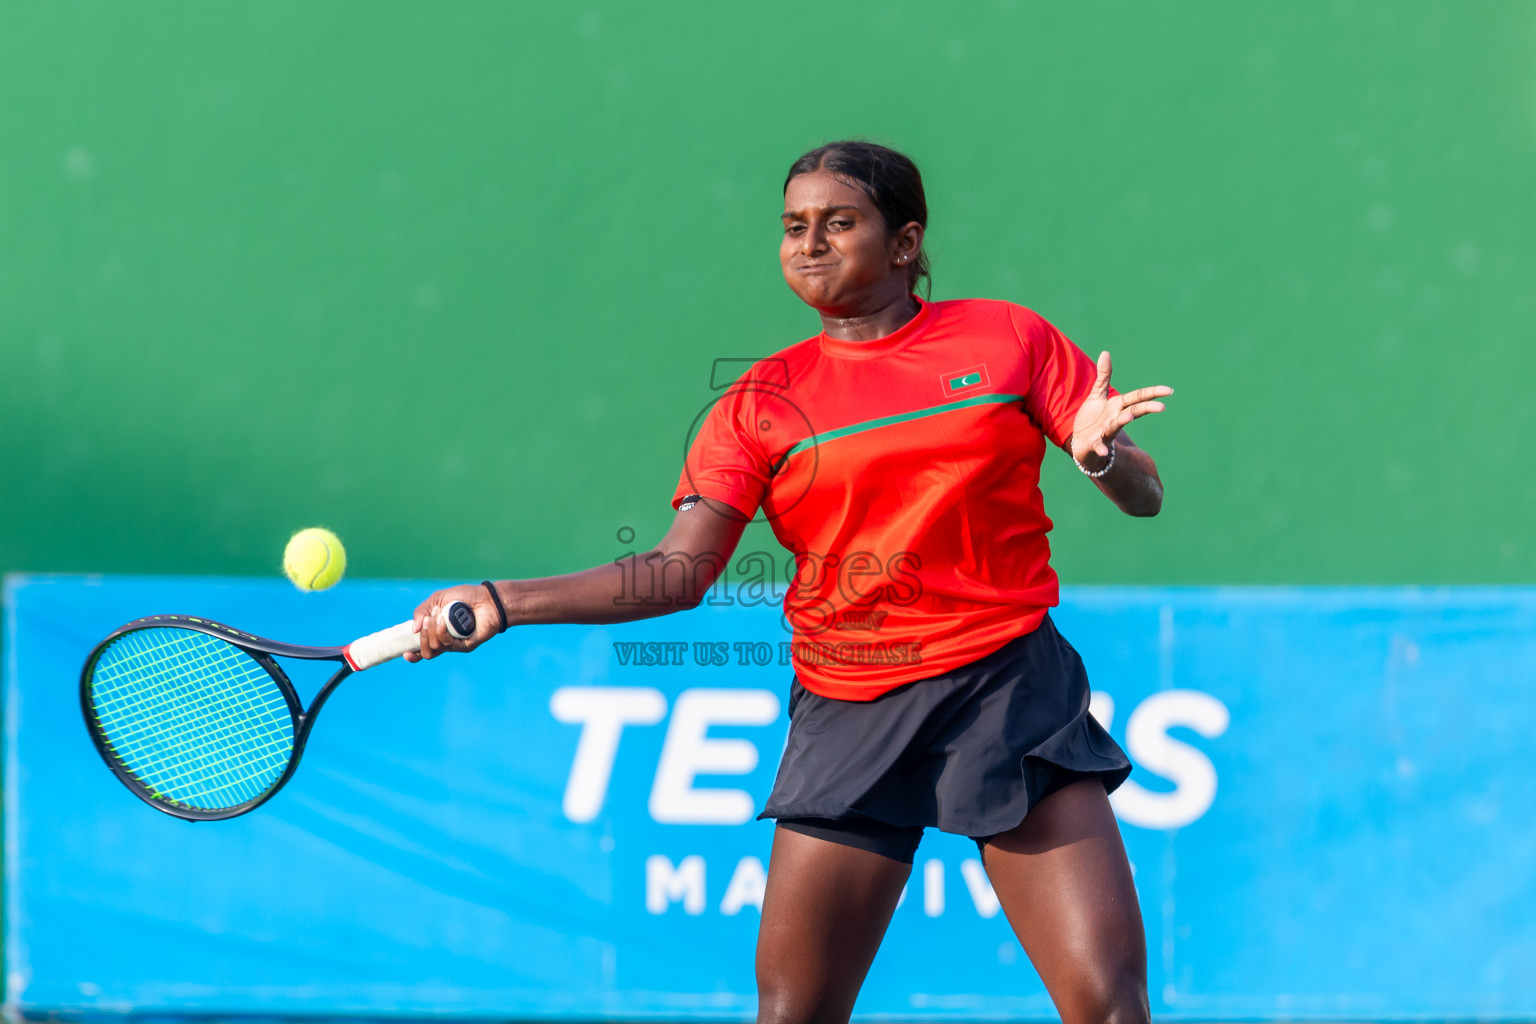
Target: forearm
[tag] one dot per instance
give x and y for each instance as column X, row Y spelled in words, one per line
column 673, row 576
column 639, row 586
column 1132, row 482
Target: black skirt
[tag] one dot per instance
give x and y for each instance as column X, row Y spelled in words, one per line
column 967, row 752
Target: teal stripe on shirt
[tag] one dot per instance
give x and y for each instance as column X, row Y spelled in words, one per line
column 886, row 421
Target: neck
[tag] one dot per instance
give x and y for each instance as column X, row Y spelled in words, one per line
column 889, row 318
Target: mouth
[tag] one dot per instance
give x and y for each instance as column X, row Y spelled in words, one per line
column 813, row 268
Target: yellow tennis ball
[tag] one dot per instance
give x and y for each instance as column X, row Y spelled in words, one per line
column 314, row 559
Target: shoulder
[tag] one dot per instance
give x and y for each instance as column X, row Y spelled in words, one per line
column 976, row 307
column 983, row 310
column 998, row 314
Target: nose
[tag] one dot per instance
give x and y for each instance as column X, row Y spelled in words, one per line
column 814, row 240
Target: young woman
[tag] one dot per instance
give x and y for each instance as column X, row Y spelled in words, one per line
column 897, row 454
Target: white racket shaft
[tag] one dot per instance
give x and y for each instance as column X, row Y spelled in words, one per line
column 388, row 644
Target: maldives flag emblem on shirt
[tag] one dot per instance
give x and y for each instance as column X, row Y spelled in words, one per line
column 966, row 381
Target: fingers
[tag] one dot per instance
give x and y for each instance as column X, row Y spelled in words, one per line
column 422, row 613
column 433, row 631
column 1117, row 412
column 1138, row 403
column 1126, row 415
column 1101, row 382
column 430, row 648
column 1146, row 394
column 1140, row 409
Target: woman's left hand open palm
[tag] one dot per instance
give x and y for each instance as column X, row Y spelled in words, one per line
column 1102, row 416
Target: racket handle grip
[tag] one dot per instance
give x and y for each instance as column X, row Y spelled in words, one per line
column 388, row 644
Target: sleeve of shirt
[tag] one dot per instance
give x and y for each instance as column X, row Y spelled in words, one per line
column 725, row 462
column 1060, row 375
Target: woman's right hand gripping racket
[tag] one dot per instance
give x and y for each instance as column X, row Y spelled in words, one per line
column 196, row 718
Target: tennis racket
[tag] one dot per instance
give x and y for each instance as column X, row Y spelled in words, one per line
column 196, row 718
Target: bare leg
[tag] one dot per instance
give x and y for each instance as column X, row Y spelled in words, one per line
column 824, row 913
column 1065, row 883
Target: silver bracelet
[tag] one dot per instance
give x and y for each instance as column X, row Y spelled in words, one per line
column 1098, row 473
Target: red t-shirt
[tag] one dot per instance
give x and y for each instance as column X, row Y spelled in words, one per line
column 904, row 474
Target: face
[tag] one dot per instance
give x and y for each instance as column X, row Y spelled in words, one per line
column 837, row 254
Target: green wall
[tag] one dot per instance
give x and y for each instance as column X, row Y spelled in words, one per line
column 449, row 277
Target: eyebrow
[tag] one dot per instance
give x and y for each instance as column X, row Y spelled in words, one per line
column 789, row 214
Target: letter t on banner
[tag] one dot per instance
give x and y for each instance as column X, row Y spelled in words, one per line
column 602, row 712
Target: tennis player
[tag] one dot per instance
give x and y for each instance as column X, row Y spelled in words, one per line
column 897, row 455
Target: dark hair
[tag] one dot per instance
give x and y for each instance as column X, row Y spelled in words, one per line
column 890, row 179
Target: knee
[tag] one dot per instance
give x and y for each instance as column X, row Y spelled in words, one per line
column 780, row 1001
column 775, row 1003
column 773, row 1008
column 1130, row 1009
column 777, row 1008
column 1120, row 999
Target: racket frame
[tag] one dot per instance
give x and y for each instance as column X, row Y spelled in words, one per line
column 262, row 651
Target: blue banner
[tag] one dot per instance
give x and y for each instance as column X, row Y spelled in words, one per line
column 1330, row 817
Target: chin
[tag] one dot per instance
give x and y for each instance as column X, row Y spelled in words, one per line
column 817, row 298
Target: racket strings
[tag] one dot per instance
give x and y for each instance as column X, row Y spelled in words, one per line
column 168, row 743
column 186, row 719
column 195, row 719
column 165, row 708
column 200, row 720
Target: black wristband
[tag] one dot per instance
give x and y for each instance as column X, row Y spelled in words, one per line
column 500, row 608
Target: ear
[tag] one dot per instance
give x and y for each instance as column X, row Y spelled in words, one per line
column 906, row 243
